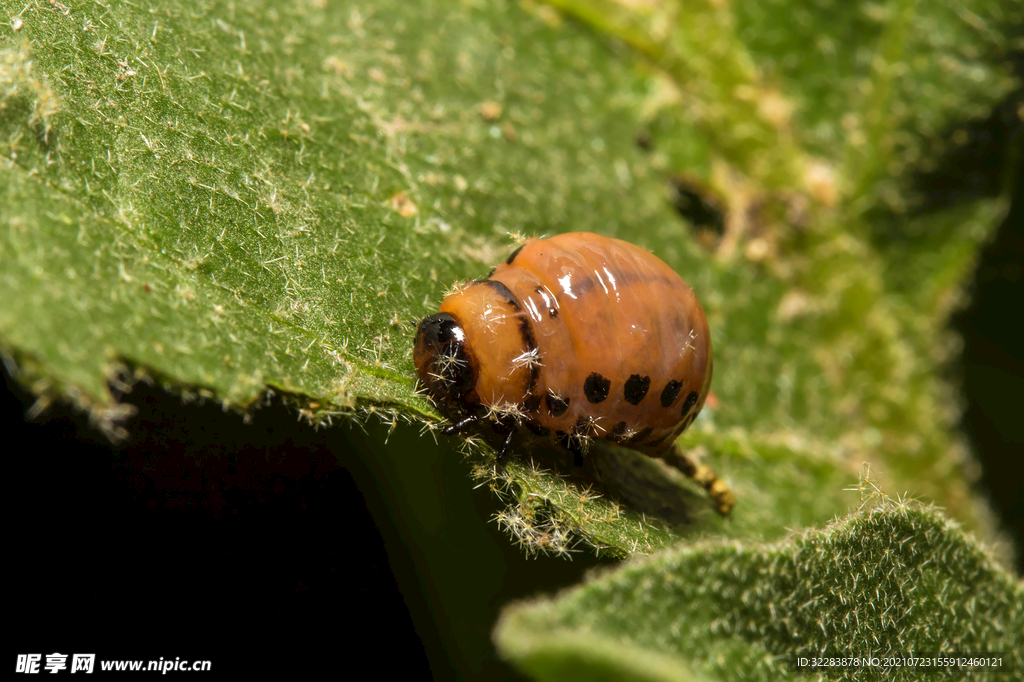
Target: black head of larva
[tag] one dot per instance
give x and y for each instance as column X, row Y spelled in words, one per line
column 442, row 359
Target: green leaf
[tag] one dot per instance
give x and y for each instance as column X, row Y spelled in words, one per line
column 234, row 198
column 897, row 579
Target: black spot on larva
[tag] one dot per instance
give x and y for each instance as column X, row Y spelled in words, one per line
column 671, row 392
column 618, row 432
column 596, row 387
column 636, row 389
column 557, row 405
column 658, row 441
column 549, row 301
column 531, row 404
column 503, row 291
column 508, row 261
column 688, row 404
column 583, row 427
column 642, row 435
column 527, row 333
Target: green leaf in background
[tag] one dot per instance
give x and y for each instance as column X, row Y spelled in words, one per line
column 235, row 198
column 232, row 199
column 896, row 579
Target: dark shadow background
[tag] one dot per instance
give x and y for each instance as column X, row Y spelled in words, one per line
column 990, row 160
column 203, row 537
column 250, row 545
column 992, row 369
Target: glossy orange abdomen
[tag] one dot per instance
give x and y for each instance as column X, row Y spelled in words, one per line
column 582, row 335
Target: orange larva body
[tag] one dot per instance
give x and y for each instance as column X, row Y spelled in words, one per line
column 580, row 335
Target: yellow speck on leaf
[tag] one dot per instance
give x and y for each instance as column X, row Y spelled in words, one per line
column 403, row 204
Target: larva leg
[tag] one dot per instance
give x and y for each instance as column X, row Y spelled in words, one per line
column 460, row 425
column 704, row 475
column 506, row 446
column 575, row 447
